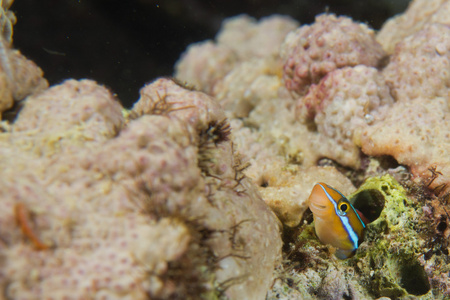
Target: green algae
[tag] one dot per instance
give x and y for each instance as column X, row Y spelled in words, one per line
column 388, row 259
column 388, row 262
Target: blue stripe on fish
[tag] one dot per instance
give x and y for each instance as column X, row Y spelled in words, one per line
column 353, row 236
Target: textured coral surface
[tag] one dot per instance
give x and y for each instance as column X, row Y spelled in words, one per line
column 200, row 190
column 418, row 14
column 333, row 106
column 129, row 207
column 310, row 52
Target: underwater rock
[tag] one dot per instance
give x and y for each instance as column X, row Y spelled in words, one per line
column 327, row 124
column 19, row 77
column 47, row 125
column 247, row 84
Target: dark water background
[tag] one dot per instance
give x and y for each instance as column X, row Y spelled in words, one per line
column 125, row 44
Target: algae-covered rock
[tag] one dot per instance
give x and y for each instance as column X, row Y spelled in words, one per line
column 388, row 259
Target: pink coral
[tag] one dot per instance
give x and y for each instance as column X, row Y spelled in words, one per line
column 310, row 52
column 345, row 102
column 247, row 84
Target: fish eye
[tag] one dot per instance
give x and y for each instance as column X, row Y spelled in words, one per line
column 343, row 207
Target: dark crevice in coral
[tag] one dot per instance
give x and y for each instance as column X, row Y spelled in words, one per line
column 387, row 162
column 383, row 62
column 347, row 297
column 442, row 225
column 11, row 114
column 413, row 278
column 311, row 126
column 370, row 203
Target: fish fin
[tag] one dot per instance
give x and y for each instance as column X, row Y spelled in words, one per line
column 344, row 254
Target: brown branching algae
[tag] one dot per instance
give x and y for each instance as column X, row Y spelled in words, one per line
column 200, row 190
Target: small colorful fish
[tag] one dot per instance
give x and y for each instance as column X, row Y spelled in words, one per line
column 336, row 221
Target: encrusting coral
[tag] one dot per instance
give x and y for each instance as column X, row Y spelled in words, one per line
column 332, row 105
column 184, row 195
column 20, row 77
column 418, row 14
column 310, row 52
column 342, row 105
column 153, row 205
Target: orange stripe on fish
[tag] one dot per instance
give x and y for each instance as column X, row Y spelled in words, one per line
column 336, row 221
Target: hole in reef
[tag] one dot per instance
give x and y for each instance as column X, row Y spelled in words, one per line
column 347, row 297
column 387, row 162
column 442, row 225
column 12, row 113
column 264, row 183
column 370, row 203
column 413, row 278
column 385, row 189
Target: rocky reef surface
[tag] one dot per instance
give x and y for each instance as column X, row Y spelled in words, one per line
column 200, row 190
column 342, row 104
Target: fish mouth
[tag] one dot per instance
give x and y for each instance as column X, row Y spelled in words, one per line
column 317, row 209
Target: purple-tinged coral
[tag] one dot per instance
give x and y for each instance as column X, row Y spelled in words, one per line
column 415, row 128
column 341, row 105
column 420, row 65
column 312, row 51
